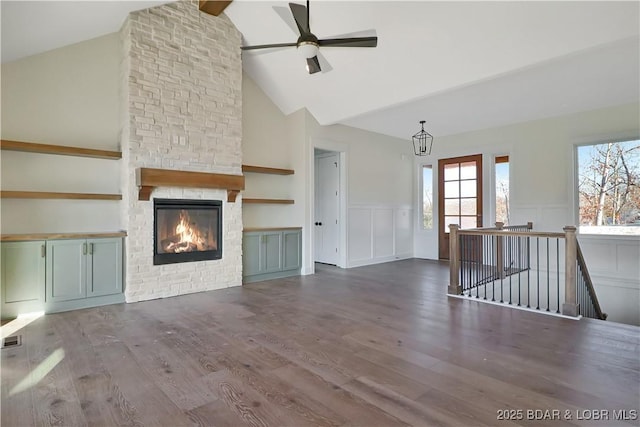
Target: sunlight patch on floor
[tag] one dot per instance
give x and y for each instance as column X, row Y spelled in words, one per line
column 18, row 323
column 41, row 371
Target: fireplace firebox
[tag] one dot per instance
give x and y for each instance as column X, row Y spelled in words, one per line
column 186, row 230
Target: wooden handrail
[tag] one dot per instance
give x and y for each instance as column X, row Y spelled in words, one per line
column 494, row 232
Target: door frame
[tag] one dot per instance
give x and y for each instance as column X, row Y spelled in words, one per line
column 341, row 149
column 334, row 155
column 479, row 196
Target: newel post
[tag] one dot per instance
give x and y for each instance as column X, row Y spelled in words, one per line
column 454, row 261
column 570, row 306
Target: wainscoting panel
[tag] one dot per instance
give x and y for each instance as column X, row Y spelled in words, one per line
column 613, row 264
column 359, row 235
column 383, row 229
column 379, row 234
column 403, row 222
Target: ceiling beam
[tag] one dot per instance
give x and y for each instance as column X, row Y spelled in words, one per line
column 214, row 7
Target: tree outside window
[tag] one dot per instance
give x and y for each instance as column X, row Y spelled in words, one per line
column 502, row 189
column 609, row 188
column 427, row 197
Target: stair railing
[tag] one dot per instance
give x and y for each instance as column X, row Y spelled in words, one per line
column 519, row 266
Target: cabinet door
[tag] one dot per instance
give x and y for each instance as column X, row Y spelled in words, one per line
column 104, row 267
column 291, row 250
column 272, row 247
column 23, row 277
column 251, row 257
column 66, row 269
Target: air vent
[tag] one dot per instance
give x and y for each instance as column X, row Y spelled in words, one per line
column 13, row 341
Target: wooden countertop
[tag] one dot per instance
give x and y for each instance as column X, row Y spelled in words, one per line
column 53, row 236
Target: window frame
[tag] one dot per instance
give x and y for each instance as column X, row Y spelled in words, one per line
column 575, row 179
column 421, row 198
column 497, row 159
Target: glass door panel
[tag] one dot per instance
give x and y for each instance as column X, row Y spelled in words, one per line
column 460, row 196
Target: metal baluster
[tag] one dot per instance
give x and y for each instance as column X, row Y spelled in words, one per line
column 488, row 253
column 468, row 264
column 558, row 274
column 510, row 275
column 463, row 268
column 538, row 270
column 505, row 250
column 548, row 274
column 479, row 256
column 498, row 273
column 528, row 272
column 519, row 269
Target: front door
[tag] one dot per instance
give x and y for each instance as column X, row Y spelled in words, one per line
column 326, row 215
column 459, row 196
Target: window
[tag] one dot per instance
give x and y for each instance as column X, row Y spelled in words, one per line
column 427, row 197
column 502, row 189
column 609, row 188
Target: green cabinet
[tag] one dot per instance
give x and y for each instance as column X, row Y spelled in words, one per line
column 104, row 267
column 78, row 269
column 291, row 249
column 22, row 277
column 66, row 270
column 59, row 275
column 271, row 253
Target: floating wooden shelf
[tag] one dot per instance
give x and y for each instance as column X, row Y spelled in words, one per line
column 54, row 195
column 268, row 201
column 51, row 236
column 249, row 229
column 58, row 149
column 213, row 7
column 261, row 169
column 148, row 179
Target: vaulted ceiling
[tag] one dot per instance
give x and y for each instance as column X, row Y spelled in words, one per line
column 458, row 65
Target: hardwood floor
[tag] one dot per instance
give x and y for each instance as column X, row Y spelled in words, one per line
column 371, row 346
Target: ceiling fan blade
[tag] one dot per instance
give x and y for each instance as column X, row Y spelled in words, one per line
column 350, row 42
column 267, row 46
column 313, row 66
column 324, row 64
column 286, row 16
column 301, row 16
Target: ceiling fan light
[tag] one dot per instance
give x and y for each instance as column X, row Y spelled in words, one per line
column 308, row 49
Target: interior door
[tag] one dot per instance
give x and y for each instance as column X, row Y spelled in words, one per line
column 459, row 196
column 326, row 218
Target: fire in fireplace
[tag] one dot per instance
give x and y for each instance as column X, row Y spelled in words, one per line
column 187, row 230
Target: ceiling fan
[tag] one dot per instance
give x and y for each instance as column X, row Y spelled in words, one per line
column 308, row 44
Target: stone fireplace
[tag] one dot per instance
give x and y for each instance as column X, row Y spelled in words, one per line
column 181, row 111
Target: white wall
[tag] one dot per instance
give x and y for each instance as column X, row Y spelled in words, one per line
column 378, row 180
column 68, row 96
column 379, row 192
column 273, row 140
column 542, row 190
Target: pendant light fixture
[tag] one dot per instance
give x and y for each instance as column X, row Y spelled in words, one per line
column 422, row 142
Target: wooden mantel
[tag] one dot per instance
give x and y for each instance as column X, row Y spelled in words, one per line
column 148, row 179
